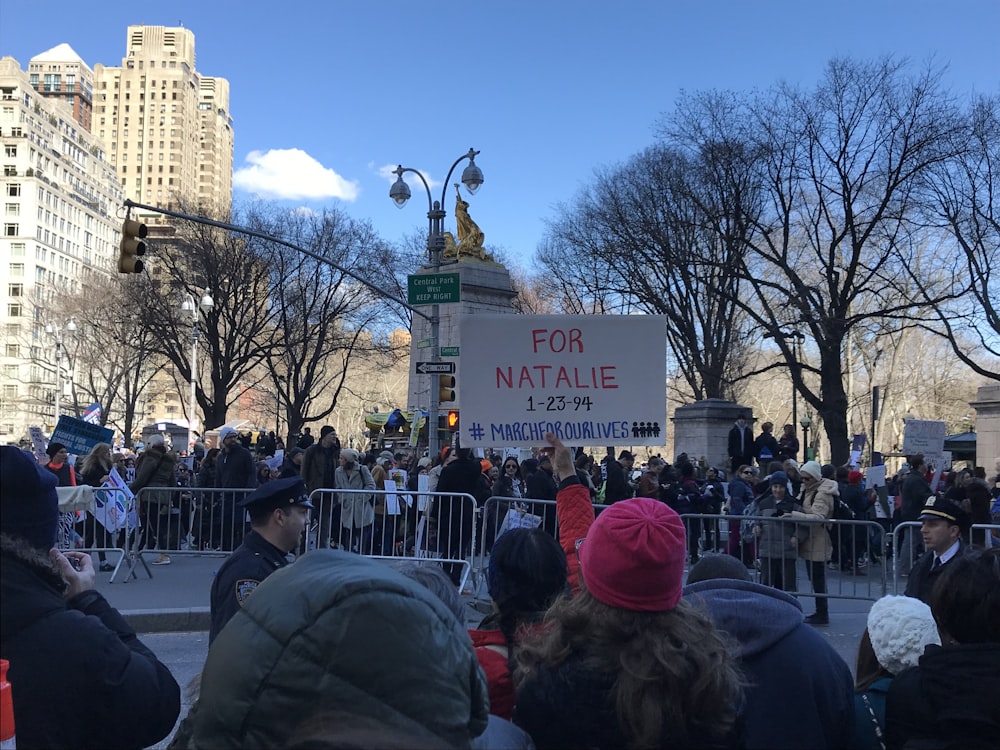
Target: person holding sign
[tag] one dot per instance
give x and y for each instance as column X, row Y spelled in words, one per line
column 96, row 471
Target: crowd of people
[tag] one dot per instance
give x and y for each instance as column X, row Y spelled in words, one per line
column 595, row 639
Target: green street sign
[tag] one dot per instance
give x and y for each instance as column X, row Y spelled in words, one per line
column 449, row 351
column 424, row 344
column 433, row 288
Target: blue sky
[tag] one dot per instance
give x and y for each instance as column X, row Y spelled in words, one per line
column 548, row 91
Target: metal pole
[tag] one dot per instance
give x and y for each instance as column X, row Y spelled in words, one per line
column 194, row 375
column 435, row 239
column 58, row 398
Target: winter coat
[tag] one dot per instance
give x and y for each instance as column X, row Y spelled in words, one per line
column 235, row 468
column 817, row 502
column 357, row 510
column 923, row 576
column 865, row 736
column 801, row 692
column 775, row 539
column 948, row 700
column 914, row 494
column 319, row 465
column 491, row 652
column 575, row 513
column 337, row 630
column 80, row 676
column 740, row 495
column 156, row 468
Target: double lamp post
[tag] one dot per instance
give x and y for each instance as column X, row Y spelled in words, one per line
column 472, row 178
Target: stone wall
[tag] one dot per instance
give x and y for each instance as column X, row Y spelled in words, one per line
column 987, row 406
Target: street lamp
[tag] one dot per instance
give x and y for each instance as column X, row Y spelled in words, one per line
column 472, row 178
column 189, row 307
column 56, row 331
column 806, row 422
column 796, row 337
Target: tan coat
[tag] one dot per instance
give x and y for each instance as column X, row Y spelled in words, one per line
column 817, row 502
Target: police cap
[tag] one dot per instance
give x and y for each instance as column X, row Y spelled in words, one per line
column 278, row 493
column 938, row 507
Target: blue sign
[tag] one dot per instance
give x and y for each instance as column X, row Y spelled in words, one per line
column 78, row 436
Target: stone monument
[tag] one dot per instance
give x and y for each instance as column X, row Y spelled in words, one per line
column 987, row 406
column 702, row 429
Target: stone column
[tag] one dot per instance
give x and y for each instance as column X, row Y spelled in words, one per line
column 987, row 406
column 702, row 429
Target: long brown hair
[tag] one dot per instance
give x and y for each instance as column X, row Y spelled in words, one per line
column 99, row 457
column 674, row 675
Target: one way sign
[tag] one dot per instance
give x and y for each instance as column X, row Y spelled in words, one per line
column 435, row 368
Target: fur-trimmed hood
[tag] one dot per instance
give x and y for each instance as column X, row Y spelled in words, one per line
column 32, row 586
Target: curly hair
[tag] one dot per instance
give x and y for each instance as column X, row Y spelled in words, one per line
column 674, row 675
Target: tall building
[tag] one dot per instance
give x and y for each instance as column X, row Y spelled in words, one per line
column 61, row 199
column 167, row 127
column 59, row 73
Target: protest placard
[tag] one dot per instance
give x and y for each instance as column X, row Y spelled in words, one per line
column 79, row 436
column 524, row 375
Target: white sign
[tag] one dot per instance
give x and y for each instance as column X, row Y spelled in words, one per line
column 590, row 379
column 923, row 436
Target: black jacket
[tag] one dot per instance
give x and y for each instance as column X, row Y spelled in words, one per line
column 948, row 701
column 239, row 576
column 80, row 677
column 235, row 468
column 914, row 494
column 922, row 578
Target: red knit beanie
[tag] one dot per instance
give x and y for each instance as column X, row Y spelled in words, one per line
column 633, row 556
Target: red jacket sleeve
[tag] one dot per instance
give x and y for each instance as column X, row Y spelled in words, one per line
column 575, row 513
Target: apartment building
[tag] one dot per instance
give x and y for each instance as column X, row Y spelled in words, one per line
column 61, row 198
column 167, row 127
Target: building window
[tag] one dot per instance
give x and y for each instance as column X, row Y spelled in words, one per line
column 14, row 310
column 15, row 290
column 10, row 151
column 10, row 230
column 13, row 350
column 13, row 189
column 12, row 209
column 17, row 270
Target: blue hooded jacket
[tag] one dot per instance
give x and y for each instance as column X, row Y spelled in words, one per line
column 801, row 693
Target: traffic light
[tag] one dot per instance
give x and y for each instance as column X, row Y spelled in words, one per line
column 453, row 420
column 446, row 388
column 131, row 247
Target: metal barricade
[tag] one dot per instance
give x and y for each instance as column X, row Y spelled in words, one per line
column 430, row 527
column 186, row 521
column 87, row 534
column 764, row 544
column 501, row 514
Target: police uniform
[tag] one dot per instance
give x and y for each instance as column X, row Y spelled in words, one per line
column 925, row 573
column 256, row 558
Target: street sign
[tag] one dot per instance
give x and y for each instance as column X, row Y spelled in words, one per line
column 424, row 344
column 433, row 288
column 449, row 351
column 435, row 368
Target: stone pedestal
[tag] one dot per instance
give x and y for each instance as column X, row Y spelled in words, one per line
column 987, row 406
column 486, row 288
column 702, row 429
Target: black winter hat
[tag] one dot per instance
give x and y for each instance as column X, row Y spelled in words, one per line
column 30, row 507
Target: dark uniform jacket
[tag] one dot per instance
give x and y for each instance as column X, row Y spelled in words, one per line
column 923, row 577
column 239, row 576
column 80, row 676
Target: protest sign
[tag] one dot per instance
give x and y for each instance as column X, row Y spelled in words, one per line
column 590, row 379
column 79, row 436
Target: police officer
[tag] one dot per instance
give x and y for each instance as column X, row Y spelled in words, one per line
column 943, row 524
column 279, row 514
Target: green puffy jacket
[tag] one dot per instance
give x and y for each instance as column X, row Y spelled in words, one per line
column 336, row 632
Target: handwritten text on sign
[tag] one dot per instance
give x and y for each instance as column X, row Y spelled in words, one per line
column 592, row 380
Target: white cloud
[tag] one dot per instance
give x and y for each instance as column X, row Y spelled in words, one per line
column 291, row 174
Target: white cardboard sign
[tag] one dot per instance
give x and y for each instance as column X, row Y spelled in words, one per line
column 590, row 379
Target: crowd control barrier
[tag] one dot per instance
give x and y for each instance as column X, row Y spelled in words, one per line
column 98, row 520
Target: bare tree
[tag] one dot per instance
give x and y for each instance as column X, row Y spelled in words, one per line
column 324, row 316
column 652, row 236
column 831, row 251
column 963, row 195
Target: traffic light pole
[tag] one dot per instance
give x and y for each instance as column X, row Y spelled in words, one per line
column 278, row 241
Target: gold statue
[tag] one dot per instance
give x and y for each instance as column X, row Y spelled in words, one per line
column 470, row 236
